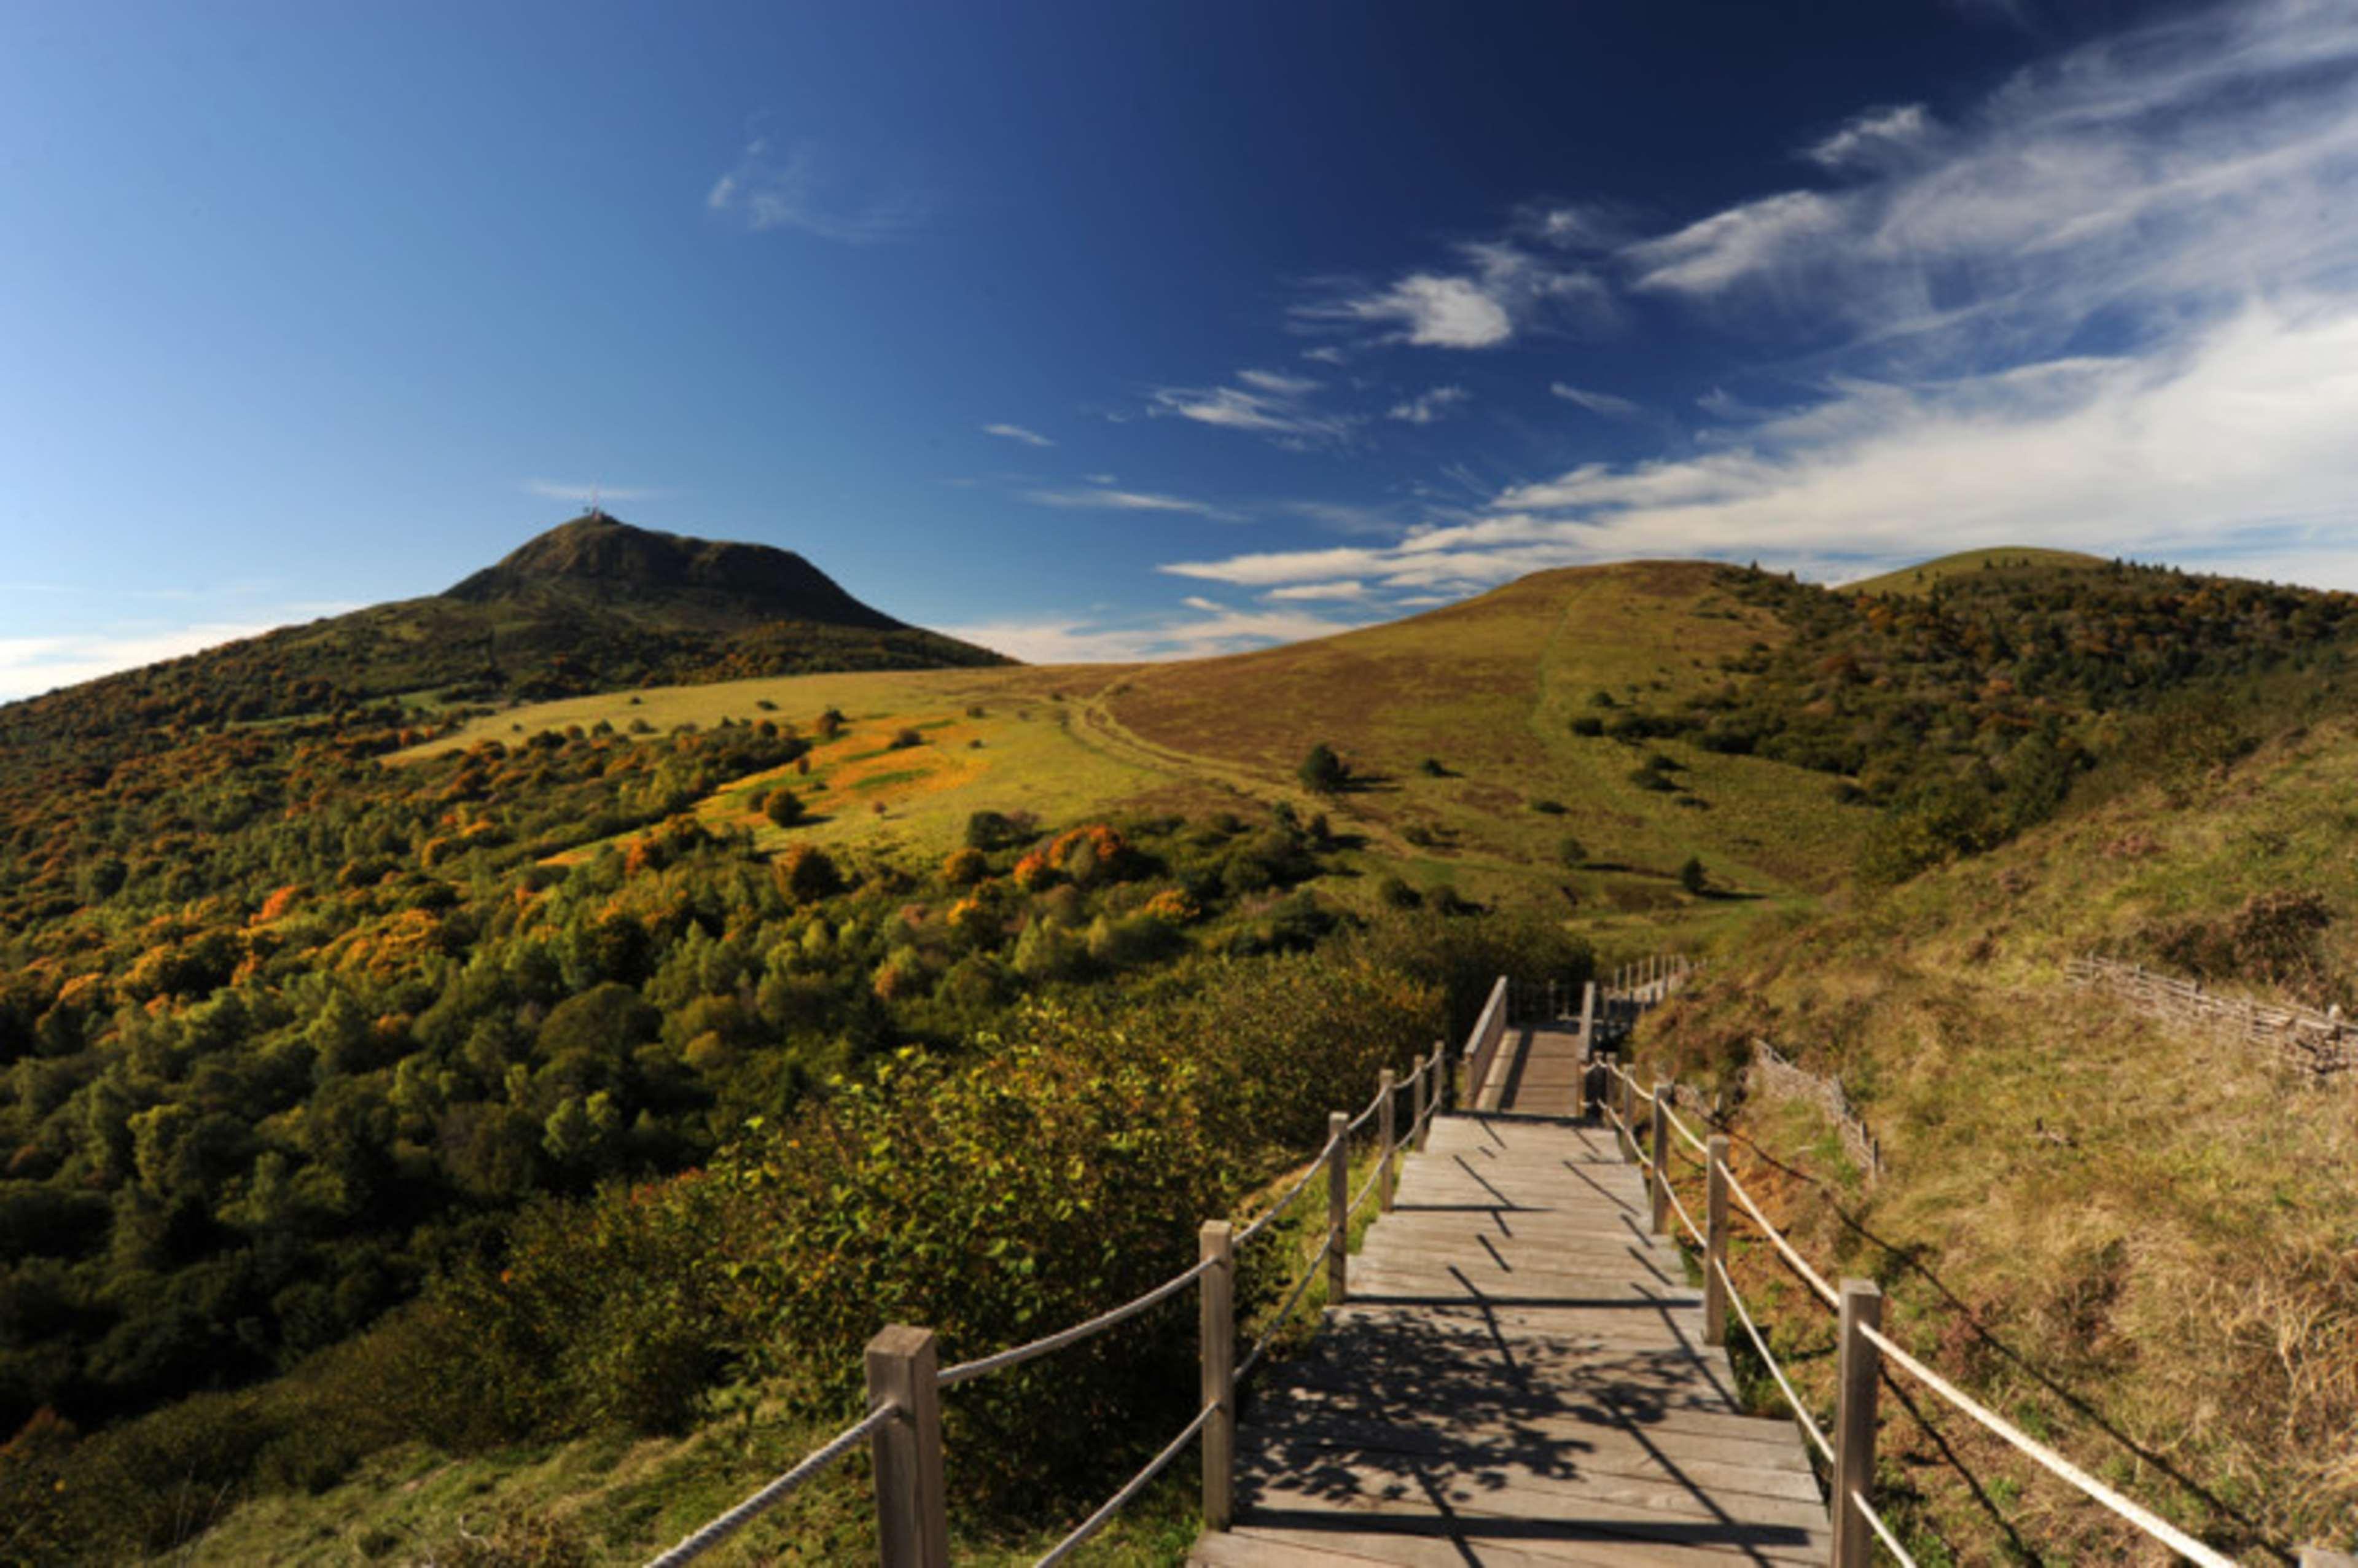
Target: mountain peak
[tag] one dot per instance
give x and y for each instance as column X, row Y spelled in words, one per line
column 601, row 559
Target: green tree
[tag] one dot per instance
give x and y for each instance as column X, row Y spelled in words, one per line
column 1322, row 771
column 784, row 807
column 1692, row 876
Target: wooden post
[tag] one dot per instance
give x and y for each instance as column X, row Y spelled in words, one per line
column 1422, row 1099
column 1628, row 1129
column 1387, row 1150
column 1715, row 1250
column 1585, row 1105
column 912, row 1509
column 1216, row 1244
column 1660, row 1140
column 1433, row 1086
column 1855, row 1378
column 1339, row 1207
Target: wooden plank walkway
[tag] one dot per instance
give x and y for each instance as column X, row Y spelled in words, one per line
column 1520, row 1380
column 1538, row 1072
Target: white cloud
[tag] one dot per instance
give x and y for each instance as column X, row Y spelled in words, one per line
column 771, row 187
column 1267, row 404
column 2235, row 450
column 1428, row 406
column 30, row 665
column 1349, row 588
column 1602, row 403
column 1497, row 289
column 1277, row 385
column 1876, row 137
column 1018, row 433
column 1706, row 256
column 584, row 495
column 1208, row 630
column 1107, row 500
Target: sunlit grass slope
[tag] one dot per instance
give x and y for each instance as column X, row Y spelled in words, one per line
column 2079, row 1201
column 1484, row 691
column 2020, row 560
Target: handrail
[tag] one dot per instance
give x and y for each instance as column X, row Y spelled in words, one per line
column 1800, row 1264
column 718, row 1530
column 1136, row 1484
column 1482, row 1043
column 1285, row 1311
column 1760, row 1343
column 1261, row 1222
column 1015, row 1357
column 2151, row 1523
column 1882, row 1531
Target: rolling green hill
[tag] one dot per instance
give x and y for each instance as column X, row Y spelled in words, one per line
column 338, row 980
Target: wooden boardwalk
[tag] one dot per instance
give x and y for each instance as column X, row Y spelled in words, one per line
column 1537, row 1074
column 1520, row 1378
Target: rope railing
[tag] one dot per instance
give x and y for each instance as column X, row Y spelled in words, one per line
column 720, row 1530
column 1047, row 1343
column 1785, row 1249
column 1882, row 1531
column 1137, row 1484
column 1759, row 1343
column 904, row 1387
column 1285, row 1310
column 2135, row 1513
column 1269, row 1214
column 1862, row 1343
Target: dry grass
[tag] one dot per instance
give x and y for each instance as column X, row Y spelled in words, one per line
column 2135, row 1243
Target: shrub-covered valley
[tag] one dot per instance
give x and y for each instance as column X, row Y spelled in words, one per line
column 528, row 1109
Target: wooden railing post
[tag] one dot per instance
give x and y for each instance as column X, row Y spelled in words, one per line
column 1218, row 1336
column 1627, row 1130
column 1661, row 1154
column 1856, row 1379
column 1339, row 1207
column 1419, row 1101
column 1388, row 1152
column 1715, row 1250
column 912, row 1507
column 1434, row 1087
column 1587, row 1044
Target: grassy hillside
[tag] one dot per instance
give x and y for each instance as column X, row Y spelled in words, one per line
column 317, row 1018
column 2021, row 562
column 2132, row 1240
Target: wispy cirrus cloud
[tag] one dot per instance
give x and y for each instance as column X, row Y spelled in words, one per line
column 1494, row 290
column 1427, row 406
column 1102, row 498
column 1602, row 403
column 1198, row 628
column 774, row 187
column 1267, row 403
column 1018, row 433
column 2176, row 196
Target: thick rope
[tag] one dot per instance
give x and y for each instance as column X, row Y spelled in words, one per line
column 1318, row 1165
column 1078, row 1332
column 1680, row 1128
column 1684, row 1218
column 1882, row 1531
column 2144, row 1519
column 1360, row 1121
column 1137, row 1484
column 777, row 1492
column 1293, row 1298
column 1808, row 1425
column 1361, row 1196
column 1800, row 1263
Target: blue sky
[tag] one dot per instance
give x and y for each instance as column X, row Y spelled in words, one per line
column 1146, row 329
